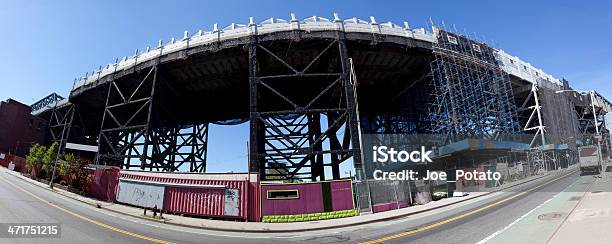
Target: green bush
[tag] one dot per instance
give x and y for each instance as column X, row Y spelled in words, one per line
column 49, row 156
column 34, row 159
column 310, row 217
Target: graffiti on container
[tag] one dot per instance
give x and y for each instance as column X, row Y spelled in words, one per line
column 138, row 194
column 232, row 201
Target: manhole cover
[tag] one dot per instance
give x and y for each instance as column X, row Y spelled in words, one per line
column 551, row 216
column 595, row 192
column 574, row 198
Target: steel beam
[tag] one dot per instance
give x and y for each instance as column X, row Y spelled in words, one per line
column 129, row 139
column 288, row 141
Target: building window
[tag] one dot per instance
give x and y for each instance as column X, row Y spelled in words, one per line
column 452, row 39
column 476, row 47
column 511, row 61
column 282, row 194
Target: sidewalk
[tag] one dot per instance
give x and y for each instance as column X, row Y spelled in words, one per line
column 591, row 219
column 270, row 227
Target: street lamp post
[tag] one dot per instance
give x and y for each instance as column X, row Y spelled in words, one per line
column 597, row 133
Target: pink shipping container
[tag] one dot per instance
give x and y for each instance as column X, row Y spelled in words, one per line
column 306, row 198
column 102, row 183
column 195, row 201
column 224, row 195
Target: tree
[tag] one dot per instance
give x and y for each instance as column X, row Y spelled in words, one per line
column 81, row 173
column 34, row 159
column 49, row 157
column 75, row 171
column 65, row 167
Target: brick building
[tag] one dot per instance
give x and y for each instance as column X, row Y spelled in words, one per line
column 19, row 128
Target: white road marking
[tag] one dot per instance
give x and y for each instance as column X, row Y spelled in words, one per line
column 514, row 222
column 254, row 235
column 181, row 228
column 496, row 233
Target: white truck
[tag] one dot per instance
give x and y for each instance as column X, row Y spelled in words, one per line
column 589, row 159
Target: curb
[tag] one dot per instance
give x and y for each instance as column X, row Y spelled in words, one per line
column 405, row 215
column 25, row 179
column 21, row 177
column 341, row 225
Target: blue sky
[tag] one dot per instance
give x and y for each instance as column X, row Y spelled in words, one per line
column 46, row 44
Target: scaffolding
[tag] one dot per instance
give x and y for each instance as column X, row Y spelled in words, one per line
column 472, row 96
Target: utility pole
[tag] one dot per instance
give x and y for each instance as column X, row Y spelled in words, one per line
column 597, row 133
column 59, row 149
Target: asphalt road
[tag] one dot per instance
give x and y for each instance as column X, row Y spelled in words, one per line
column 467, row 222
column 479, row 222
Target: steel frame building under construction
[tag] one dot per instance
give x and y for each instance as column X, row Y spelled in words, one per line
column 309, row 89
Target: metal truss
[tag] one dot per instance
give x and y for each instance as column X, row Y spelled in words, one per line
column 404, row 128
column 534, row 121
column 295, row 138
column 60, row 124
column 172, row 148
column 126, row 120
column 66, row 124
column 128, row 139
column 586, row 120
column 408, row 119
column 51, row 99
column 401, row 131
column 591, row 120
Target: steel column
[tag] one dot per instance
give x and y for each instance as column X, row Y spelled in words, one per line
column 287, row 140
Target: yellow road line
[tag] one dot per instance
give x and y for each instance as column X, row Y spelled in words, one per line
column 151, row 239
column 446, row 221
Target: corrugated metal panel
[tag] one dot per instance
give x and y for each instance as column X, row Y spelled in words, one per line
column 193, row 176
column 248, row 192
column 103, row 184
column 253, row 203
column 196, row 201
column 310, row 198
column 342, row 195
column 139, row 194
